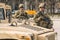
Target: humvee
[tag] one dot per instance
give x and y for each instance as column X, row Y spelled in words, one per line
column 5, row 10
column 23, row 31
column 26, row 32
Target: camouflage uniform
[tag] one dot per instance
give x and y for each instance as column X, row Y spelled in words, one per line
column 21, row 15
column 43, row 20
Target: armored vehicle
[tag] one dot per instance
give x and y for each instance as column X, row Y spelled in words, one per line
column 26, row 32
column 23, row 31
column 5, row 11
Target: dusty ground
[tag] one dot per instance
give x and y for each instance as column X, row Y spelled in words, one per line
column 56, row 25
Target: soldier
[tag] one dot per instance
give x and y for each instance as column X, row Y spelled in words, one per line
column 42, row 19
column 20, row 14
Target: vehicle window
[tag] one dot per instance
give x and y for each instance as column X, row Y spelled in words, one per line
column 2, row 15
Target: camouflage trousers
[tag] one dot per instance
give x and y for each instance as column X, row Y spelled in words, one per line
column 45, row 24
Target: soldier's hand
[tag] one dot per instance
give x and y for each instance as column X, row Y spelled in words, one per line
column 40, row 18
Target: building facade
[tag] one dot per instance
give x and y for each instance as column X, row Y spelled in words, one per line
column 32, row 4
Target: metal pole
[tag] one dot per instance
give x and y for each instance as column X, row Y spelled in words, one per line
column 25, row 2
column 36, row 5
